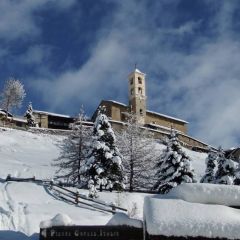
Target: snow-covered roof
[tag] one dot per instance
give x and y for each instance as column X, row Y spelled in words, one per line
column 119, row 103
column 114, row 121
column 51, row 114
column 162, row 127
column 190, row 210
column 206, row 193
column 138, row 71
column 19, row 119
column 166, row 116
column 4, row 112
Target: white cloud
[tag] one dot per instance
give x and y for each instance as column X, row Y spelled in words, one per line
column 17, row 17
column 35, row 54
column 202, row 86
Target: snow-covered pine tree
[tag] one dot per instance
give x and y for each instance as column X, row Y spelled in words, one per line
column 137, row 147
column 225, row 173
column 174, row 167
column 29, row 116
column 211, row 164
column 104, row 165
column 74, row 148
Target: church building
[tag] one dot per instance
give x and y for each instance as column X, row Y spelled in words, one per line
column 137, row 103
column 159, row 124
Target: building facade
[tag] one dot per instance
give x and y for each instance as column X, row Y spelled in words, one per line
column 159, row 124
column 52, row 120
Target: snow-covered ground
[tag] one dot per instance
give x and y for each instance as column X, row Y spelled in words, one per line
column 24, row 205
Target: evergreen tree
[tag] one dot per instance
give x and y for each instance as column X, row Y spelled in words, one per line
column 173, row 167
column 237, row 176
column 226, row 169
column 137, row 147
column 29, row 116
column 71, row 162
column 210, row 161
column 104, row 164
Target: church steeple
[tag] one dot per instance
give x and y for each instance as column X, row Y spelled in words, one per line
column 137, row 94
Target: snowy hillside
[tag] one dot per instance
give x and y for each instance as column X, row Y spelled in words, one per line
column 24, row 205
column 25, row 154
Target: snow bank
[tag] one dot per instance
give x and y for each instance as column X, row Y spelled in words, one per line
column 123, row 219
column 58, row 220
column 192, row 210
column 228, row 195
column 25, row 154
column 174, row 217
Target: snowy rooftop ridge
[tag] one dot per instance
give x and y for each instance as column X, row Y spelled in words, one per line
column 152, row 112
column 167, row 116
column 51, row 114
column 163, row 127
column 138, row 71
column 119, row 103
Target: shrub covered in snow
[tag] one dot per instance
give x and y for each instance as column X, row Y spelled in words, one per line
column 29, row 116
column 210, row 161
column 58, row 220
column 173, row 167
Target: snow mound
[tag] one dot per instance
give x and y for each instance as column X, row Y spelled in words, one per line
column 174, row 217
column 58, row 220
column 207, row 193
column 123, row 219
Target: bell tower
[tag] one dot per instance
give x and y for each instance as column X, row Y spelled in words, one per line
column 137, row 94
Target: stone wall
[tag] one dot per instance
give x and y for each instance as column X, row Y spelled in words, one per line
column 166, row 122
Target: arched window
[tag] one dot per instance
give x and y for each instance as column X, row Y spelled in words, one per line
column 139, row 80
column 131, row 81
column 140, row 90
column 141, row 112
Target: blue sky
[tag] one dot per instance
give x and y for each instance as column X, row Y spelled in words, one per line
column 74, row 52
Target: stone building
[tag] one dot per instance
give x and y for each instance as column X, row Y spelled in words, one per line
column 159, row 124
column 52, row 120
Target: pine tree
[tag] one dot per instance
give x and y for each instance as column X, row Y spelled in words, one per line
column 29, row 116
column 104, row 165
column 226, row 169
column 137, row 147
column 210, row 161
column 174, row 167
column 74, row 149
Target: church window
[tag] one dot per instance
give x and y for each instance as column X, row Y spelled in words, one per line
column 131, row 80
column 139, row 80
column 141, row 112
column 140, row 90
